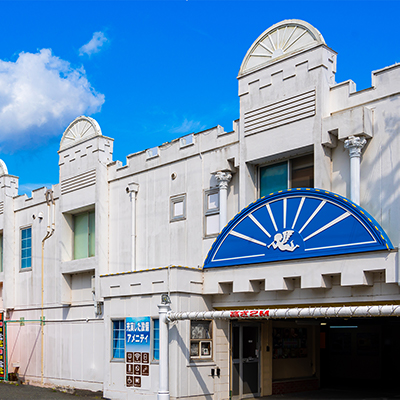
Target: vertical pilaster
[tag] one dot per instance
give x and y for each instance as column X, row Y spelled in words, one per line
column 355, row 145
column 163, row 388
column 223, row 179
column 133, row 189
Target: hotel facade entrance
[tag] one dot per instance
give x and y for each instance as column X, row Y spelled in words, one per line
column 245, row 360
column 274, row 357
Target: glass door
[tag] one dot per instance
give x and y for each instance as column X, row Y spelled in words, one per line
column 245, row 375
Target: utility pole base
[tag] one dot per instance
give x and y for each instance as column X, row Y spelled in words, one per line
column 163, row 395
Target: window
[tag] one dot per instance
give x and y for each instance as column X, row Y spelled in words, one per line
column 178, row 208
column 84, row 235
column 297, row 172
column 211, row 212
column 1, row 252
column 156, row 339
column 201, row 339
column 26, row 248
column 118, row 342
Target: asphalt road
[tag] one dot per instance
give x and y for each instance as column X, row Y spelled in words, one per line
column 13, row 391
column 339, row 394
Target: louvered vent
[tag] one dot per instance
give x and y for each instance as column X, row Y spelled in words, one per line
column 78, row 182
column 280, row 113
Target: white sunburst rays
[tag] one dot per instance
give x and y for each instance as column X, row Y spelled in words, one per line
column 280, row 41
column 293, row 226
column 79, row 130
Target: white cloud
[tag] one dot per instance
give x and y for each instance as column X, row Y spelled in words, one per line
column 40, row 94
column 188, row 127
column 94, row 45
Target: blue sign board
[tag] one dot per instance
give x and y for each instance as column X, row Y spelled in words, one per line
column 137, row 334
column 137, row 347
column 294, row 224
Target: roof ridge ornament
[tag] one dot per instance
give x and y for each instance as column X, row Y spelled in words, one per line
column 282, row 39
column 79, row 130
column 3, row 168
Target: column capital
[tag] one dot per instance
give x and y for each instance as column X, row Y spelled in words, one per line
column 355, row 144
column 132, row 187
column 223, row 178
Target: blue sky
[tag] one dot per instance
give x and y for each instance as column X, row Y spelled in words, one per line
column 151, row 71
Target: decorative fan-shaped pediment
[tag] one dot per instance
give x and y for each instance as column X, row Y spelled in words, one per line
column 3, row 168
column 294, row 224
column 82, row 128
column 282, row 39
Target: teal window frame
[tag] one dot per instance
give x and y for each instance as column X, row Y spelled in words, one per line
column 118, row 339
column 84, row 234
column 284, row 175
column 26, row 248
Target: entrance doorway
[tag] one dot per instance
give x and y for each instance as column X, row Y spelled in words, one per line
column 359, row 353
column 245, row 360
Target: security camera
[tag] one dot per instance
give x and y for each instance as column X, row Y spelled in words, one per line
column 40, row 215
column 127, row 189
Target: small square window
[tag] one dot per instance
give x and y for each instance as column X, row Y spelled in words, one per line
column 26, row 248
column 178, row 208
column 201, row 339
column 211, row 213
column 118, row 339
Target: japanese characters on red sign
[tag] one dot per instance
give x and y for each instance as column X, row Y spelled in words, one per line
column 249, row 314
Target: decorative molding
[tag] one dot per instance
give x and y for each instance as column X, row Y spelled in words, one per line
column 355, row 144
column 223, row 179
column 282, row 39
column 79, row 130
column 280, row 113
column 77, row 182
column 1, row 207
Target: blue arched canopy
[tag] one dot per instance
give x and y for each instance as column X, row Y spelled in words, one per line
column 294, row 224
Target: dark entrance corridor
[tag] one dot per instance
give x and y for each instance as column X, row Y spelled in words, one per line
column 359, row 354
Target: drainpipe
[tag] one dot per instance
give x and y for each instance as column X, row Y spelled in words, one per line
column 50, row 230
column 355, row 145
column 223, row 178
column 132, row 189
column 163, row 309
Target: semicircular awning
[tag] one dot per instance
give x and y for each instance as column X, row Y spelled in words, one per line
column 294, row 224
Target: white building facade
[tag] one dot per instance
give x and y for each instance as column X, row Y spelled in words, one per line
column 284, row 231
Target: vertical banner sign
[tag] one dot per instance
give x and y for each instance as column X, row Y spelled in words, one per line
column 2, row 349
column 137, row 347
